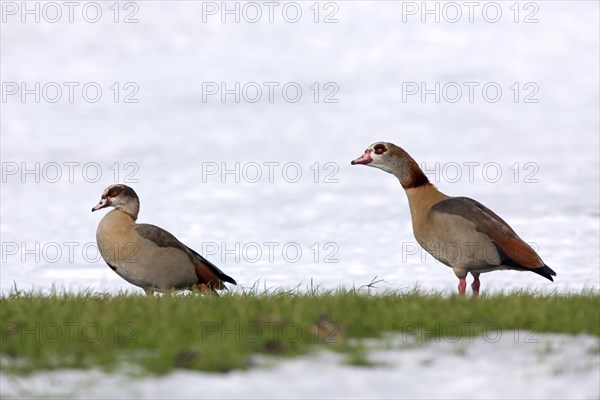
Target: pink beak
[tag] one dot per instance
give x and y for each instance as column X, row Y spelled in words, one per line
column 364, row 159
column 103, row 203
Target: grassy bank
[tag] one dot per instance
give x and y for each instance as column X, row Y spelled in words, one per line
column 210, row 333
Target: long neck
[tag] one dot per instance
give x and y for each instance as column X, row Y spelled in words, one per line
column 422, row 198
column 406, row 169
column 132, row 208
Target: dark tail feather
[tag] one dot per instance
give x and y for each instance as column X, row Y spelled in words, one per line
column 544, row 271
column 227, row 278
column 220, row 274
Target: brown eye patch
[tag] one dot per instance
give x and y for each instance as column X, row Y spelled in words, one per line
column 380, row 148
column 114, row 192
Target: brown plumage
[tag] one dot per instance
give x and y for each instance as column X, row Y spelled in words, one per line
column 458, row 231
column 147, row 255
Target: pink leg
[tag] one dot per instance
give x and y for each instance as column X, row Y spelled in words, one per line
column 475, row 286
column 462, row 286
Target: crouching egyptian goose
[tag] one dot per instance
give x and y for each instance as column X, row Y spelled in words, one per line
column 458, row 231
column 146, row 255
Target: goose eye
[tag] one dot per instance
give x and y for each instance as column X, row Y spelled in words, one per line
column 380, row 149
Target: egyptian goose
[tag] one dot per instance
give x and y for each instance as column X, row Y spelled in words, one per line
column 458, row 231
column 146, row 255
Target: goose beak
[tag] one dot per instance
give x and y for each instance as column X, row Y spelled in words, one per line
column 101, row 204
column 364, row 159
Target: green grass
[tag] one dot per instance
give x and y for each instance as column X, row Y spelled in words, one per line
column 212, row 333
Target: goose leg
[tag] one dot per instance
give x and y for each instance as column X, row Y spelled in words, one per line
column 475, row 285
column 462, row 286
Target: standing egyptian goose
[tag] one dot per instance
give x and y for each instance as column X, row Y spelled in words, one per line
column 458, row 231
column 146, row 255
